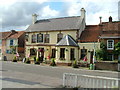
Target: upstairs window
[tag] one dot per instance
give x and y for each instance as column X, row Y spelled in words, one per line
column 46, row 38
column 34, row 38
column 11, row 42
column 110, row 44
column 40, row 38
column 26, row 37
column 59, row 37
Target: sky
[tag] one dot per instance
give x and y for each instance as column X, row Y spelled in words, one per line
column 17, row 14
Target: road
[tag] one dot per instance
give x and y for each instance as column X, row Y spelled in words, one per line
column 40, row 76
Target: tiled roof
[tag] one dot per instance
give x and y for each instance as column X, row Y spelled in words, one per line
column 65, row 23
column 6, row 35
column 110, row 29
column 90, row 34
column 17, row 34
column 67, row 41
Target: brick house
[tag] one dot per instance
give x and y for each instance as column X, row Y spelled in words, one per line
column 94, row 34
column 111, row 35
column 12, row 42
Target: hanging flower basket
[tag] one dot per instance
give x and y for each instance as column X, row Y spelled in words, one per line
column 40, row 50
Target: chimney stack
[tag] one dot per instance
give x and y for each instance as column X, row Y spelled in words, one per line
column 83, row 13
column 34, row 18
column 110, row 19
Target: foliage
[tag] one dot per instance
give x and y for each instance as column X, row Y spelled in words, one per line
column 37, row 61
column 117, row 48
column 102, row 52
column 74, row 65
column 103, row 45
column 14, row 59
column 27, row 61
column 34, row 59
column 53, row 62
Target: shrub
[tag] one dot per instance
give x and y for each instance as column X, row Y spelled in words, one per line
column 34, row 59
column 14, row 59
column 37, row 61
column 74, row 65
column 53, row 62
column 27, row 61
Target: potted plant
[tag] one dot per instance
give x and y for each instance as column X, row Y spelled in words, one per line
column 27, row 61
column 14, row 59
column 34, row 59
column 53, row 62
column 37, row 61
column 74, row 65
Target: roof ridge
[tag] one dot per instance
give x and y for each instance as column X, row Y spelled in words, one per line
column 58, row 18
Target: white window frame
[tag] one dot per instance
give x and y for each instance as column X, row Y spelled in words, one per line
column 10, row 42
column 108, row 44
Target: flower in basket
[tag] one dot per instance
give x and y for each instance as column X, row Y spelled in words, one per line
column 40, row 50
column 48, row 56
column 17, row 54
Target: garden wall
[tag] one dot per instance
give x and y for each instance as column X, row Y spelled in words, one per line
column 106, row 65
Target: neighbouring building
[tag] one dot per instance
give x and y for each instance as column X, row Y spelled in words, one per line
column 111, row 35
column 11, row 43
column 119, row 10
column 89, row 42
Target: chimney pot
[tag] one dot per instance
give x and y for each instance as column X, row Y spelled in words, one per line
column 100, row 20
column 110, row 19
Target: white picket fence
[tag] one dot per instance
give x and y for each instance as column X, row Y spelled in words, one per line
column 87, row 81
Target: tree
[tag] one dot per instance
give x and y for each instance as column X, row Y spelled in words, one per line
column 117, row 50
column 102, row 52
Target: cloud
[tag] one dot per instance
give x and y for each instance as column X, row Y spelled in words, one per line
column 18, row 15
column 94, row 9
column 48, row 12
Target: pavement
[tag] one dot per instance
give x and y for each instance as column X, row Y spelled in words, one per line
column 21, row 75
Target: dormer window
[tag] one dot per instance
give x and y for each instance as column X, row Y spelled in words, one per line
column 110, row 44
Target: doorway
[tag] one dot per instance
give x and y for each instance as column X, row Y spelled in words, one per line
column 41, row 54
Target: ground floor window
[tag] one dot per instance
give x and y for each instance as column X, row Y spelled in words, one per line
column 62, row 53
column 33, row 51
column 72, row 54
column 53, row 53
column 83, row 53
column 110, row 57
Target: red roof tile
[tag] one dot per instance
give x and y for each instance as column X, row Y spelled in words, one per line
column 9, row 34
column 90, row 34
column 17, row 34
